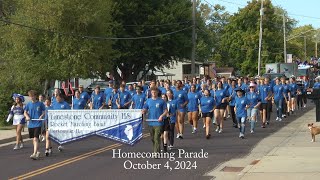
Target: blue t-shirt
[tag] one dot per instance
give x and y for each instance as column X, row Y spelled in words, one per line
column 125, row 97
column 85, row 96
column 241, row 103
column 232, row 94
column 46, row 115
column 226, row 86
column 132, row 92
column 219, row 95
column 253, row 99
column 285, row 90
column 156, row 108
column 193, row 104
column 78, row 103
column 181, row 97
column 172, row 106
column 264, row 91
column 98, row 100
column 107, row 93
column 35, row 110
column 61, row 105
column 138, row 101
column 293, row 89
column 278, row 92
column 316, row 85
column 245, row 87
column 114, row 97
column 207, row 104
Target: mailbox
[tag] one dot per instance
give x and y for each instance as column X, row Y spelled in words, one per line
column 314, row 94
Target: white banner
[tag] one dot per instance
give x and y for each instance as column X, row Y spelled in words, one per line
column 124, row 125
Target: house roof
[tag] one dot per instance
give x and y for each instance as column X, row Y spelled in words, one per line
column 225, row 70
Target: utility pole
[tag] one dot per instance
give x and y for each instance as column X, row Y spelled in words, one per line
column 260, row 38
column 305, row 47
column 284, row 39
column 193, row 53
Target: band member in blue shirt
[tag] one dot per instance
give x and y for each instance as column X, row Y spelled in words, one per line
column 232, row 102
column 182, row 99
column 286, row 102
column 241, row 106
column 108, row 92
column 278, row 96
column 78, row 102
column 114, row 98
column 97, row 99
column 172, row 106
column 84, row 95
column 254, row 103
column 157, row 109
column 34, row 112
column 138, row 99
column 220, row 97
column 265, row 94
column 193, row 107
column 124, row 98
column 294, row 90
column 207, row 104
column 60, row 103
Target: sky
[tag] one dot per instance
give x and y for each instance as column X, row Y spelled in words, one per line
column 304, row 11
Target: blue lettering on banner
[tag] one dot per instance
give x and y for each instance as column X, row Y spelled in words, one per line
column 120, row 125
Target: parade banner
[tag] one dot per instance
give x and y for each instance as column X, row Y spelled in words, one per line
column 124, row 125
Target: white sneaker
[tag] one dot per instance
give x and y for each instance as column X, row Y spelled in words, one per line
column 280, row 119
column 220, row 131
column 43, row 138
column 277, row 118
column 240, row 135
column 16, row 147
column 228, row 116
column 178, row 135
column 194, row 130
column 204, row 126
column 21, row 146
column 305, row 106
column 251, row 131
column 218, row 128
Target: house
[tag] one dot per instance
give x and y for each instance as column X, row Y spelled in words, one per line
column 180, row 70
column 225, row 71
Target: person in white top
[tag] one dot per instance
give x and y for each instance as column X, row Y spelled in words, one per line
column 17, row 113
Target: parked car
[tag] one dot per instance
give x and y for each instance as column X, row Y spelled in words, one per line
column 103, row 85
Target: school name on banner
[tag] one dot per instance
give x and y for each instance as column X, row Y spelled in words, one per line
column 122, row 125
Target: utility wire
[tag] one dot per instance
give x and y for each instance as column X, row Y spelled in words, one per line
column 93, row 37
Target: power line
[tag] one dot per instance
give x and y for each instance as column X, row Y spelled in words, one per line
column 93, row 37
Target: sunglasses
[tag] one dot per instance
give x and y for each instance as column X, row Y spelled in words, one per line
column 251, row 87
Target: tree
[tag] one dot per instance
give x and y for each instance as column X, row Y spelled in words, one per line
column 43, row 41
column 136, row 19
column 241, row 38
column 296, row 42
column 211, row 21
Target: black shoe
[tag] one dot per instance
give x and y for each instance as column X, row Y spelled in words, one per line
column 165, row 149
column 268, row 123
column 263, row 125
column 208, row 136
column 180, row 137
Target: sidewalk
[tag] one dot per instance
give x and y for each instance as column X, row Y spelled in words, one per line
column 7, row 136
column 287, row 154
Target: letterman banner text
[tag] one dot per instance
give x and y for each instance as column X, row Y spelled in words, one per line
column 122, row 125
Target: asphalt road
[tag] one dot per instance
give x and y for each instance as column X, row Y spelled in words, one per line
column 92, row 158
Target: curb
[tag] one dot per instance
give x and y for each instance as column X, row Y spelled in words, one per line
column 7, row 140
